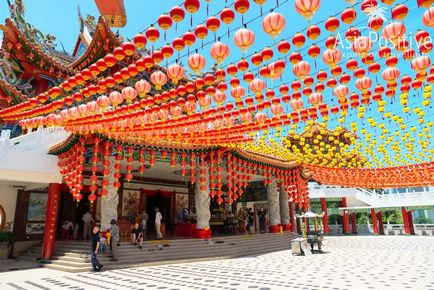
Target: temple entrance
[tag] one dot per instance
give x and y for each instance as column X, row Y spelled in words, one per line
column 162, row 200
column 72, row 211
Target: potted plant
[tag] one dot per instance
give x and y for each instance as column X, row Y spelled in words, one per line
column 6, row 240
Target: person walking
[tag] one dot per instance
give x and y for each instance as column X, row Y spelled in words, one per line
column 95, row 242
column 144, row 223
column 114, row 234
column 158, row 218
column 250, row 220
column 262, row 220
column 87, row 221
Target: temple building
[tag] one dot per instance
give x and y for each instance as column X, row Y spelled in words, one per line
column 114, row 130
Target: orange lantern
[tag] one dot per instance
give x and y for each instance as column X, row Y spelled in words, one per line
column 244, row 39
column 307, row 8
column 273, row 24
column 219, row 52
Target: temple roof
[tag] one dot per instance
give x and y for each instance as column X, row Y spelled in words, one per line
column 26, row 53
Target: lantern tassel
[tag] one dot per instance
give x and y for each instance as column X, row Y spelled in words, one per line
column 261, row 10
column 207, row 10
column 228, row 32
column 191, row 19
column 164, row 35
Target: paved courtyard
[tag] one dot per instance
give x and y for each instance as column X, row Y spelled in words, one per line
column 363, row 262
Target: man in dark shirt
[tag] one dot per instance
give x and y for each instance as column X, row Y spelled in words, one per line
column 137, row 235
column 262, row 220
column 96, row 265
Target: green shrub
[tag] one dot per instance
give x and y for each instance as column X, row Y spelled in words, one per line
column 6, row 237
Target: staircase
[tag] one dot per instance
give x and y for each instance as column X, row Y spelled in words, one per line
column 74, row 256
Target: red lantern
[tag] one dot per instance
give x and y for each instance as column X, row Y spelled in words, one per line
column 332, row 24
column 213, row 23
column 241, row 6
column 152, row 34
column 399, row 12
column 348, row 15
column 177, row 14
column 164, row 21
column 201, row 31
column 192, row 6
column 283, row 47
column 313, row 32
column 298, row 40
column 227, row 15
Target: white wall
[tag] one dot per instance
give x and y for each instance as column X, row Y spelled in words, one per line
column 8, row 199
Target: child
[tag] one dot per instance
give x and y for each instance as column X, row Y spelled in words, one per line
column 163, row 229
column 75, row 232
column 103, row 243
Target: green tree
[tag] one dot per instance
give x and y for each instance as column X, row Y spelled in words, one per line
column 422, row 220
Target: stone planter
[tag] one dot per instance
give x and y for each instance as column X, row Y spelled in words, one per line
column 4, row 251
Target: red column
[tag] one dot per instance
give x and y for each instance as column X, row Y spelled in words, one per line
column 291, row 216
column 380, row 223
column 51, row 221
column 345, row 219
column 410, row 222
column 298, row 226
column 405, row 219
column 325, row 218
column 354, row 222
column 374, row 221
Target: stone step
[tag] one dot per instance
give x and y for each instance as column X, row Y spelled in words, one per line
column 126, row 246
column 172, row 260
column 132, row 251
column 144, row 254
column 74, row 256
column 85, row 244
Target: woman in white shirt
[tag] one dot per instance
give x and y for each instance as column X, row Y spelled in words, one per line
column 158, row 218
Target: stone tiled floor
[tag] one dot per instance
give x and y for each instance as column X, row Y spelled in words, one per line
column 364, row 262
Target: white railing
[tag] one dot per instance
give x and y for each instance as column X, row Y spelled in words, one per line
column 39, row 141
column 373, row 199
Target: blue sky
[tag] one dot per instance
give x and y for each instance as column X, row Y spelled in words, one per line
column 60, row 19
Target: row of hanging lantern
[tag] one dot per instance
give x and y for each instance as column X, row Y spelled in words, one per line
column 392, row 32
column 402, row 176
column 239, row 171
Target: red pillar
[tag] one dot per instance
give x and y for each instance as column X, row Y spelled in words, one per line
column 380, row 223
column 291, row 216
column 298, row 226
column 354, row 222
column 405, row 219
column 51, row 221
column 374, row 221
column 325, row 218
column 345, row 219
column 410, row 222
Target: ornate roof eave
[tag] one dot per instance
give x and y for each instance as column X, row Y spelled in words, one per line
column 11, row 91
column 10, row 24
column 255, row 157
column 96, row 47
